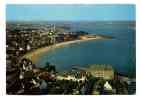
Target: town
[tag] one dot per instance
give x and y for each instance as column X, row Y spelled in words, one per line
column 24, row 77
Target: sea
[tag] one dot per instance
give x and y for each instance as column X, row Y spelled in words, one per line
column 120, row 52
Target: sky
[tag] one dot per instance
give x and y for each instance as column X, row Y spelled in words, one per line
column 40, row 12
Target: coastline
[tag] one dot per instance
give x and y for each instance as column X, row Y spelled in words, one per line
column 34, row 55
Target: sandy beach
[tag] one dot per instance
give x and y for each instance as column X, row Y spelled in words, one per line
column 34, row 55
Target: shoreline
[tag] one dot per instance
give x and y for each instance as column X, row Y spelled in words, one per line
column 35, row 54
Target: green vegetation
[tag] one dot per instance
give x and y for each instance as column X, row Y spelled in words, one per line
column 50, row 67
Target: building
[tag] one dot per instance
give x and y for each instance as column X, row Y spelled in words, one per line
column 102, row 71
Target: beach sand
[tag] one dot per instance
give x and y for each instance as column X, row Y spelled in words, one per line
column 34, row 55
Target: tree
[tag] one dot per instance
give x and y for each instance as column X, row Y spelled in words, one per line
column 47, row 65
column 50, row 67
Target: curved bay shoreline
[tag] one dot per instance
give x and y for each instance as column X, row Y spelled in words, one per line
column 37, row 53
column 34, row 55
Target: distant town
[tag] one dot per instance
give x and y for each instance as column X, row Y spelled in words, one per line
column 24, row 77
